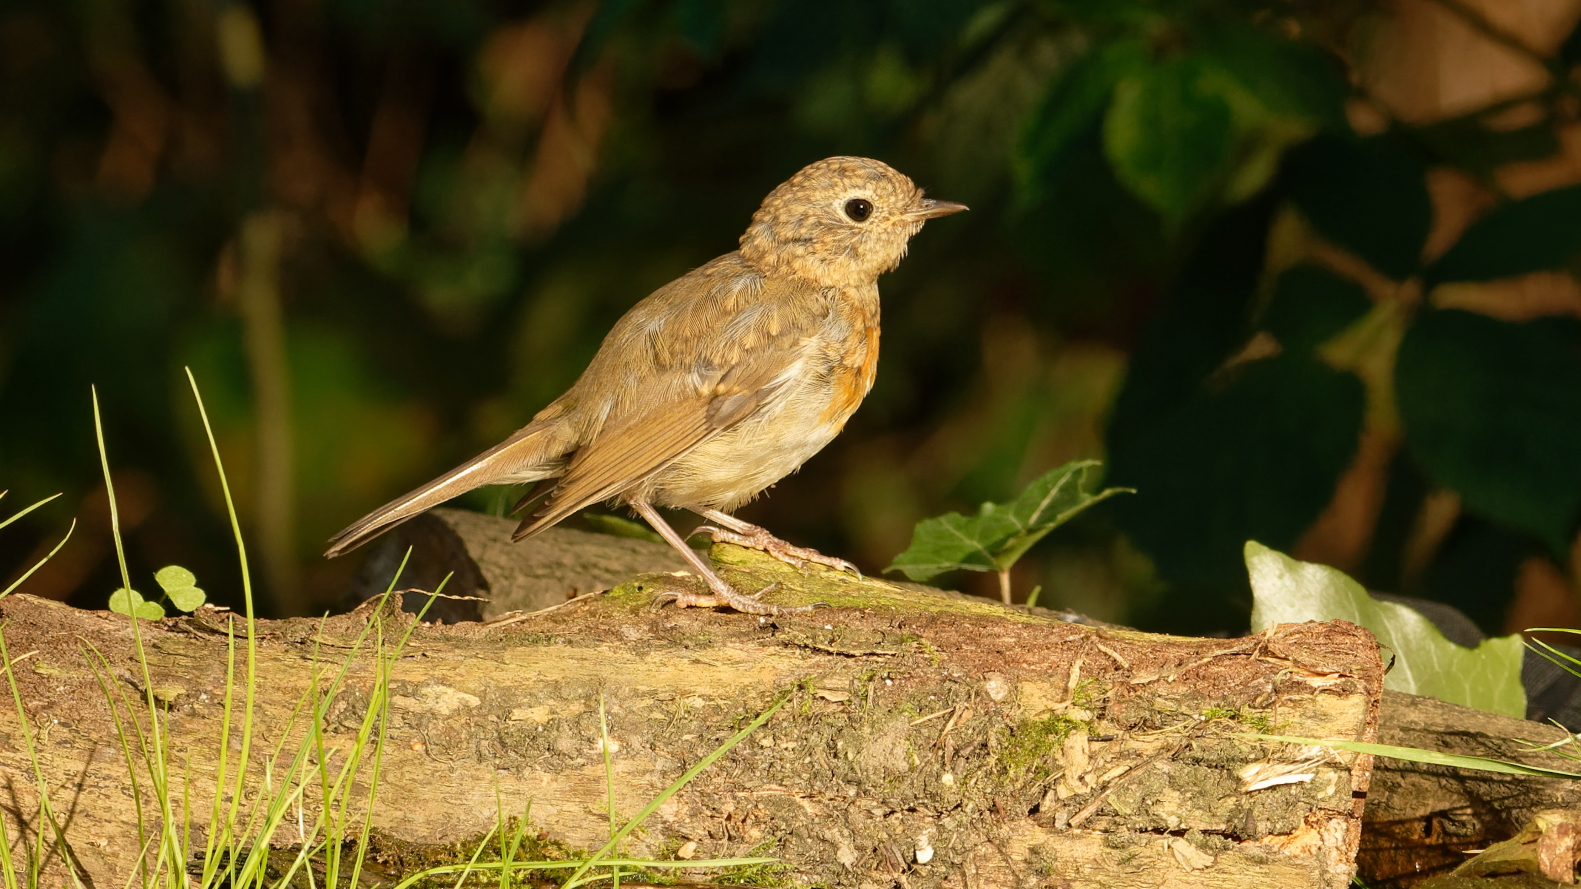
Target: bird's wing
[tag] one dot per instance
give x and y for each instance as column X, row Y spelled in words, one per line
column 738, row 365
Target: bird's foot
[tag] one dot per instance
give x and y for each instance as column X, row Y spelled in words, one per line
column 760, row 539
column 723, row 596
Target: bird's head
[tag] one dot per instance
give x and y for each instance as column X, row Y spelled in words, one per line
column 842, row 221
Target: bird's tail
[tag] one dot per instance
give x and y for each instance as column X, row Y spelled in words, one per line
column 537, row 451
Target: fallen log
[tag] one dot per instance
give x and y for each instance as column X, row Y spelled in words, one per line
column 1425, row 821
column 926, row 740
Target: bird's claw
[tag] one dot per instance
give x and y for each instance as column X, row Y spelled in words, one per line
column 729, row 598
column 789, row 553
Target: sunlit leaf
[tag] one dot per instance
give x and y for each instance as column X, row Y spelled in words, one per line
column 1487, row 677
column 1000, row 533
column 181, row 587
column 173, row 577
column 131, row 603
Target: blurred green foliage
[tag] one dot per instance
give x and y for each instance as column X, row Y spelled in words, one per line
column 383, row 233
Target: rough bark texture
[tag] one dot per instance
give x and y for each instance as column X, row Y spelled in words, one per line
column 1423, row 821
column 928, row 741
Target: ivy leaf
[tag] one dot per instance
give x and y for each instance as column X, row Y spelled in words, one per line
column 131, row 603
column 1487, row 677
column 1365, row 195
column 1310, row 304
column 1492, row 409
column 1255, row 453
column 1169, row 138
column 1001, row 533
column 1533, row 234
column 181, row 586
column 1074, row 105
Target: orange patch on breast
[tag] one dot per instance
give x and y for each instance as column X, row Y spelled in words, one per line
column 853, row 378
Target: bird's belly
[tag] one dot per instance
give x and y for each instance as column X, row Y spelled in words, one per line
column 731, row 469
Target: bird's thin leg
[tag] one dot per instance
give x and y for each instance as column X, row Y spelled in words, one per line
column 729, row 529
column 721, row 593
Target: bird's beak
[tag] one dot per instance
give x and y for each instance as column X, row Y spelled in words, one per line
column 932, row 209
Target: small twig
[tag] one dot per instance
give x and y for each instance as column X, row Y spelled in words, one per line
column 1088, row 810
column 1482, row 25
column 516, row 617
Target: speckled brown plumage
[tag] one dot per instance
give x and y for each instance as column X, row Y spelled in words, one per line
column 721, row 382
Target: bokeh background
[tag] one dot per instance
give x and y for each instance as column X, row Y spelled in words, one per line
column 1300, row 271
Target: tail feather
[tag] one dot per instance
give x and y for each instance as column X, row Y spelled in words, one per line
column 534, row 452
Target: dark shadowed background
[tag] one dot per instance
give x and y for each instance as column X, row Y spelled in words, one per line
column 1299, row 270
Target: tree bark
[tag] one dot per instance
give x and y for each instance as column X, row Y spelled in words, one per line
column 927, row 740
column 1423, row 821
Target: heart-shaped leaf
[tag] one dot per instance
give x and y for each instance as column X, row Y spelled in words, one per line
column 1487, row 677
column 1169, row 137
column 1493, row 410
column 181, row 587
column 173, row 577
column 130, row 602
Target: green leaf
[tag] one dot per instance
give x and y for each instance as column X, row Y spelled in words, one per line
column 1533, row 234
column 1365, row 195
column 1492, row 409
column 1285, row 81
column 1074, row 105
column 1487, row 677
column 174, row 577
column 124, row 600
column 181, row 587
column 1169, row 138
column 131, row 603
column 1311, row 304
column 1427, row 757
column 1255, row 453
column 186, row 599
column 1001, row 533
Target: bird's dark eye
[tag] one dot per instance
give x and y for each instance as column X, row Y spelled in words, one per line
column 858, row 210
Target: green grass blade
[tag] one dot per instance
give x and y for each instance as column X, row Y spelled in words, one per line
column 701, row 863
column 1426, row 757
column 654, row 804
column 247, row 598
column 27, row 510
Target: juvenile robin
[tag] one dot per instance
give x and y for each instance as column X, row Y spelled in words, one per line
column 721, row 382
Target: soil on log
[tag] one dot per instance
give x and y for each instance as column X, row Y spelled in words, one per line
column 927, row 740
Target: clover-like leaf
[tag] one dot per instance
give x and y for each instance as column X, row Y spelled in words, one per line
column 1487, row 677
column 131, row 603
column 1001, row 533
column 181, row 587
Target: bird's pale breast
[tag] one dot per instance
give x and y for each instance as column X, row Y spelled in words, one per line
column 838, row 368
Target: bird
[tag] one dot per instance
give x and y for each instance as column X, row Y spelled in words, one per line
column 718, row 384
